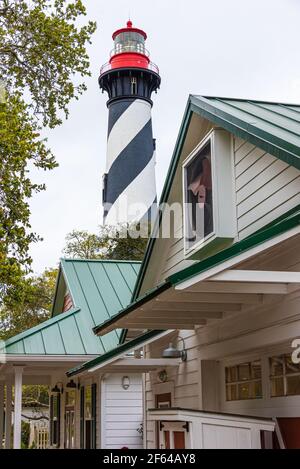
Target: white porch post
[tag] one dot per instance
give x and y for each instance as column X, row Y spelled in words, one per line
column 18, row 406
column 8, row 414
column 1, row 414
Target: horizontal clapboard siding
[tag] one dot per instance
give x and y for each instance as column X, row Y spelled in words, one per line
column 122, row 413
column 265, row 187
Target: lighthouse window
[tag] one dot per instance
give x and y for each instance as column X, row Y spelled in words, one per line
column 129, row 42
column 133, row 86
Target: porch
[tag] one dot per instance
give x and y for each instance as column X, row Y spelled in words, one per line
column 16, row 372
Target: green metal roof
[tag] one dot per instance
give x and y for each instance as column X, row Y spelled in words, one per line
column 282, row 225
column 274, row 127
column 120, row 350
column 99, row 289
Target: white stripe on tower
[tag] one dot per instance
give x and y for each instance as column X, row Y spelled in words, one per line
column 129, row 124
column 119, row 212
column 130, row 189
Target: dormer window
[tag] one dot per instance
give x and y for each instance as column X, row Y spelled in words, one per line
column 208, row 193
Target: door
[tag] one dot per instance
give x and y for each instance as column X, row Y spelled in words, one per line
column 173, row 435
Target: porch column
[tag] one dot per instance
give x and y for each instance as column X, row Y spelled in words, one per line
column 1, row 414
column 18, row 406
column 8, row 414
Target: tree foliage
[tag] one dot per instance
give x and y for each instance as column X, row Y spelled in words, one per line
column 41, row 49
column 42, row 52
column 117, row 243
column 19, row 147
column 28, row 304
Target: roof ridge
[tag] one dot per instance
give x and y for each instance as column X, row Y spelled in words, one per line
column 246, row 99
column 101, row 261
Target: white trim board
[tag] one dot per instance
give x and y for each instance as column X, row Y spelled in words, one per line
column 237, row 259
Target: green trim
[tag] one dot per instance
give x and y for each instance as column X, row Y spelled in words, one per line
column 136, row 304
column 283, row 217
column 56, row 291
column 119, row 350
column 238, row 248
column 40, row 327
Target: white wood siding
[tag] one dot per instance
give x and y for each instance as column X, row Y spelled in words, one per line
column 122, row 412
column 266, row 187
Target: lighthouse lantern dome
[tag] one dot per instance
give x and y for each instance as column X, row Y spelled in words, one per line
column 129, row 40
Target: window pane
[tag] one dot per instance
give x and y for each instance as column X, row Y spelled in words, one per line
column 244, row 372
column 276, row 366
column 70, row 398
column 293, row 385
column 277, row 387
column 231, row 374
column 290, row 366
column 231, row 393
column 198, row 197
column 244, row 391
column 256, row 370
column 55, row 407
column 88, row 402
column 257, row 388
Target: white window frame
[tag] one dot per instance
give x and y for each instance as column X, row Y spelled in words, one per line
column 285, row 405
column 284, row 376
column 251, row 380
column 223, row 182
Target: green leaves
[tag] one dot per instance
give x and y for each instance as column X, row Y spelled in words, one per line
column 42, row 53
column 111, row 242
column 41, row 50
column 28, row 303
column 19, row 146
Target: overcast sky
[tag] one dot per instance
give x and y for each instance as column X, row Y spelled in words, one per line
column 233, row 48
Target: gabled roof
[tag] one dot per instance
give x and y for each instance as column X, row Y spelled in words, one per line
column 99, row 289
column 274, row 127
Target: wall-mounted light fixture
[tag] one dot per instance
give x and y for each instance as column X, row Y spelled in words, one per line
column 125, row 382
column 71, row 384
column 172, row 352
column 58, row 390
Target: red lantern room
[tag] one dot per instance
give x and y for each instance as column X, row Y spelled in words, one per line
column 129, row 72
column 129, row 50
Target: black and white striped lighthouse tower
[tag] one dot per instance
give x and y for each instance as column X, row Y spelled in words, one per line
column 129, row 78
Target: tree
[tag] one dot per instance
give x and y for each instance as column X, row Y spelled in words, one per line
column 28, row 304
column 42, row 52
column 41, row 49
column 118, row 243
column 19, row 146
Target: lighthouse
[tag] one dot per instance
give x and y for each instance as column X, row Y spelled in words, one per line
column 129, row 78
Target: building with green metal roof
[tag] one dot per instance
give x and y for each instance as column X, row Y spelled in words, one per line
column 231, row 303
column 98, row 289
